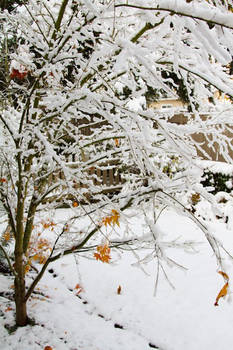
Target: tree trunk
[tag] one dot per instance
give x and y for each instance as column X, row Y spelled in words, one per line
column 20, row 303
column 20, row 291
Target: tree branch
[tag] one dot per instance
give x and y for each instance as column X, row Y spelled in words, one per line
column 221, row 86
column 210, row 15
column 8, row 260
column 59, row 18
column 79, row 248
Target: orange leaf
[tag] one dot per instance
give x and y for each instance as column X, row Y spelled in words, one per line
column 224, row 275
column 8, row 309
column 97, row 256
column 119, row 290
column 79, row 288
column 27, row 268
column 66, row 227
column 48, row 347
column 117, row 144
column 105, row 259
column 222, row 293
column 75, row 204
column 6, row 236
column 107, row 221
column 35, row 257
column 103, row 253
column 48, row 224
column 113, row 219
column 42, row 259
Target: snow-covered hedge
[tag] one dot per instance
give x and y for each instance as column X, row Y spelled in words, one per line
column 217, row 176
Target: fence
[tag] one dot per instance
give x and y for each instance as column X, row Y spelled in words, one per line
column 208, row 149
column 109, row 178
column 107, row 175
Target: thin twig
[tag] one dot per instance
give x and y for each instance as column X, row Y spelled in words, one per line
column 8, row 261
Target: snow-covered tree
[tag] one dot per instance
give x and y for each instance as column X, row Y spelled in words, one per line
column 72, row 78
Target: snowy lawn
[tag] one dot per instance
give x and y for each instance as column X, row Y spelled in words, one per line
column 96, row 317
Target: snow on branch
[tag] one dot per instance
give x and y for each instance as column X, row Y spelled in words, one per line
column 201, row 11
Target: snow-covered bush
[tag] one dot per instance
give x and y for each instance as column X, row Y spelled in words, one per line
column 63, row 119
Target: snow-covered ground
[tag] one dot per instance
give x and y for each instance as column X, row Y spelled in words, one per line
column 96, row 317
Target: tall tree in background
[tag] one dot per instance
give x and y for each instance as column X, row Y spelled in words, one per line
column 68, row 113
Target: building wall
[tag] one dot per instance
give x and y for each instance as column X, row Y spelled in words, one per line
column 166, row 103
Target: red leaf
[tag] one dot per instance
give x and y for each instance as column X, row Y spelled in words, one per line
column 15, row 73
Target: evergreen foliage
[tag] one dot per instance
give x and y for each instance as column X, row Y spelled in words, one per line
column 10, row 5
column 217, row 181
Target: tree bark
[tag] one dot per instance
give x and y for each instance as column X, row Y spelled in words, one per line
column 20, row 291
